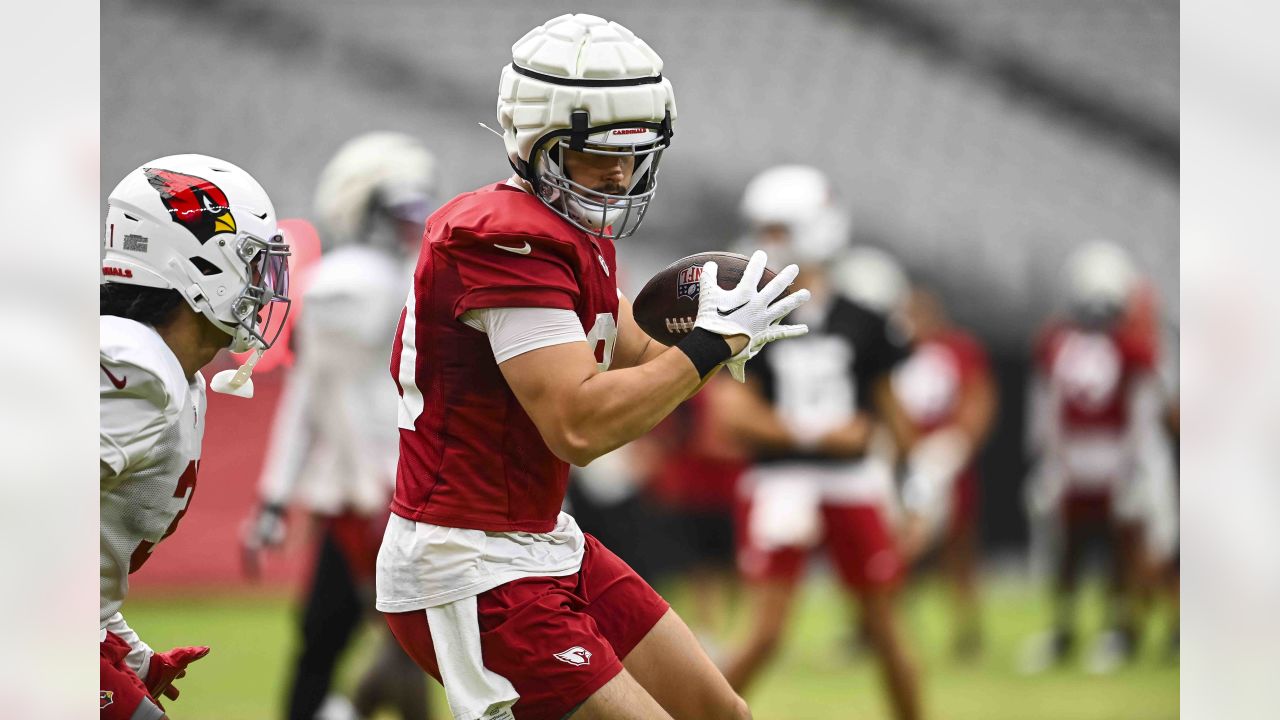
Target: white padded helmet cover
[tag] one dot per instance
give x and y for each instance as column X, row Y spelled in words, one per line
column 578, row 47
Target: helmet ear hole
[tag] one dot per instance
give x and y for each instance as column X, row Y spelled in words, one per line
column 204, row 266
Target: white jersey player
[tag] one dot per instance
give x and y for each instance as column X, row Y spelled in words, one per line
column 192, row 263
column 335, row 440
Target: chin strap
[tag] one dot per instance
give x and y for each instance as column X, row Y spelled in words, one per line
column 238, row 382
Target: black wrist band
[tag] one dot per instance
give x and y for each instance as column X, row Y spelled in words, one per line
column 705, row 349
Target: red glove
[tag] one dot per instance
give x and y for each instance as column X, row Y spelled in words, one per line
column 169, row 666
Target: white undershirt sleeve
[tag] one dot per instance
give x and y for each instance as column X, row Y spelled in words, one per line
column 515, row 331
column 139, row 658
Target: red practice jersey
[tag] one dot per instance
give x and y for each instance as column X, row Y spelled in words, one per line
column 703, row 463
column 929, row 383
column 470, row 457
column 1092, row 373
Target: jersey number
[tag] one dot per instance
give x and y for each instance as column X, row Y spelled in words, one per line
column 187, row 482
column 411, row 402
column 602, row 338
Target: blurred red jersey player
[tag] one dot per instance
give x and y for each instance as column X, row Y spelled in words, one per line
column 1102, row 464
column 696, row 483
column 948, row 402
column 516, row 356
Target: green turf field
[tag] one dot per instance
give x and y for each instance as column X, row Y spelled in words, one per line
column 814, row 679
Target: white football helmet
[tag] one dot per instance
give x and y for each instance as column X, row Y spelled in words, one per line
column 583, row 83
column 372, row 178
column 206, row 228
column 800, row 200
column 1100, row 278
column 872, row 278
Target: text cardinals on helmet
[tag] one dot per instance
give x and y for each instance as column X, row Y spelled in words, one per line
column 205, row 228
column 582, row 83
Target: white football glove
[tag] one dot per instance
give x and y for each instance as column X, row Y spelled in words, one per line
column 745, row 310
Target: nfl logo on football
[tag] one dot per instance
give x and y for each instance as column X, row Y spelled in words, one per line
column 687, row 287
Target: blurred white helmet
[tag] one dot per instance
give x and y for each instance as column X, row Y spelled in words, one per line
column 582, row 83
column 1100, row 278
column 375, row 176
column 206, row 228
column 872, row 278
column 800, row 199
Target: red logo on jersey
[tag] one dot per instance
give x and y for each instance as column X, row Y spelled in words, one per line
column 105, row 698
column 117, row 272
column 118, row 382
column 194, row 203
column 687, row 282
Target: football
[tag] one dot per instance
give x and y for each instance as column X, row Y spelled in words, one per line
column 667, row 305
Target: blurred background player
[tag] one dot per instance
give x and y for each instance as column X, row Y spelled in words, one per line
column 699, row 463
column 664, row 504
column 948, row 401
column 810, row 410
column 333, row 445
column 1102, row 470
column 192, row 263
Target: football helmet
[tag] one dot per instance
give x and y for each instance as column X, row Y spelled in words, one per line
column 206, row 228
column 373, row 179
column 1100, row 278
column 800, row 200
column 582, row 83
column 872, row 278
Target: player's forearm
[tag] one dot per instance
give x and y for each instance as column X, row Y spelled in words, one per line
column 613, row 408
column 139, row 656
column 849, row 440
column 900, row 426
column 761, row 429
column 977, row 410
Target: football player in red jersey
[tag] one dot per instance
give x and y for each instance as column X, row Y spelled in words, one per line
column 501, row 354
column 948, row 402
column 192, row 263
column 809, row 412
column 1102, row 466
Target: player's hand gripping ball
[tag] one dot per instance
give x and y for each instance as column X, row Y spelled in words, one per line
column 667, row 307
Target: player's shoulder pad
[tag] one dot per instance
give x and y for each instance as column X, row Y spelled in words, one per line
column 136, row 362
column 1047, row 340
column 353, row 293
column 500, row 212
column 353, row 270
column 967, row 344
column 1139, row 352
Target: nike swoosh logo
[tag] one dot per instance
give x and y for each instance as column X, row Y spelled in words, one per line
column 118, row 382
column 727, row 313
column 525, row 250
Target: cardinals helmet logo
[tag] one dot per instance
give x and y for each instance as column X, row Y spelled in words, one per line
column 195, row 203
column 105, row 698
